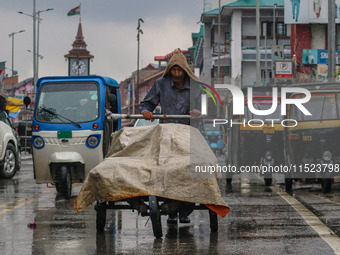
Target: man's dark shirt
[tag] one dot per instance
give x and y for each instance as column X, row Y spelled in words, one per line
column 173, row 101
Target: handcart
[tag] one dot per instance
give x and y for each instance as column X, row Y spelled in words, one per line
column 152, row 206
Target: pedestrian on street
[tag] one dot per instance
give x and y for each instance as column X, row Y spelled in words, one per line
column 174, row 91
column 3, row 111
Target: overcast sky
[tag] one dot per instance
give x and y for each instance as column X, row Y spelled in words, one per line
column 109, row 29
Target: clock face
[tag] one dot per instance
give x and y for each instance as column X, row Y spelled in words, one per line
column 78, row 67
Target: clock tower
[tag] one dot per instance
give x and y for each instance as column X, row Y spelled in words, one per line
column 79, row 57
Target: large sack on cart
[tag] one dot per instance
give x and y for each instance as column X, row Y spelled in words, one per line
column 155, row 161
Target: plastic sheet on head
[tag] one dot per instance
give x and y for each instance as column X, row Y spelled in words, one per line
column 153, row 160
column 14, row 104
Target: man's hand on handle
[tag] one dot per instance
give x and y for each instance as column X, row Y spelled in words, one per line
column 195, row 113
column 148, row 116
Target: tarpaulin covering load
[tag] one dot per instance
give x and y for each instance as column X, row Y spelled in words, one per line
column 154, row 160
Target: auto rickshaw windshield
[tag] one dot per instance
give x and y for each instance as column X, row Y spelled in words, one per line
column 78, row 102
column 263, row 105
column 210, row 127
column 321, row 106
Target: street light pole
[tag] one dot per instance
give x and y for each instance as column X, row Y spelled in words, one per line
column 38, row 38
column 218, row 44
column 34, row 48
column 39, row 56
column 133, row 87
column 35, row 16
column 12, row 35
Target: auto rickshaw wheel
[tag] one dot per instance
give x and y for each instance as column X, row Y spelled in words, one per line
column 213, row 221
column 155, row 216
column 65, row 182
column 10, row 164
column 268, row 181
column 326, row 185
column 288, row 184
column 101, row 215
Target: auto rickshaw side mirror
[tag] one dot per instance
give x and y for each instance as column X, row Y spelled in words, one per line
column 27, row 101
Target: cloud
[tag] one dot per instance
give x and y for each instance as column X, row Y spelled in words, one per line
column 109, row 28
column 114, row 45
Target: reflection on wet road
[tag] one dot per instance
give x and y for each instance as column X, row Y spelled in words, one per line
column 260, row 222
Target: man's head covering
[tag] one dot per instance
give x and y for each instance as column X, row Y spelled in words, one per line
column 180, row 60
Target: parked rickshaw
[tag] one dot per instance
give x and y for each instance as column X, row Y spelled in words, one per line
column 313, row 145
column 254, row 144
column 71, row 132
column 215, row 136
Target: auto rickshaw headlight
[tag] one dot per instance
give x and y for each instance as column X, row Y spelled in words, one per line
column 93, row 141
column 38, row 142
column 327, row 156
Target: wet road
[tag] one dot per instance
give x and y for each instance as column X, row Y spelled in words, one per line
column 262, row 221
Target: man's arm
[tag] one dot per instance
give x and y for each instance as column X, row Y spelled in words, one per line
column 149, row 103
column 195, row 98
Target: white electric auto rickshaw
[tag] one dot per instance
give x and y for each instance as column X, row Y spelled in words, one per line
column 71, row 130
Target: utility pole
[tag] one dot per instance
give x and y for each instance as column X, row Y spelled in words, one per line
column 258, row 63
column 13, row 72
column 274, row 24
column 265, row 52
column 218, row 43
column 331, row 39
column 140, row 31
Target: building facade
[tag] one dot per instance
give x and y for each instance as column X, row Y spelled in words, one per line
column 229, row 56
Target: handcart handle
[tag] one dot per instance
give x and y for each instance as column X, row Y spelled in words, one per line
column 117, row 116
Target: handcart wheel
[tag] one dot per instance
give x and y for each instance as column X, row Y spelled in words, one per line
column 213, row 221
column 101, row 215
column 57, row 187
column 65, row 182
column 288, row 184
column 155, row 216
